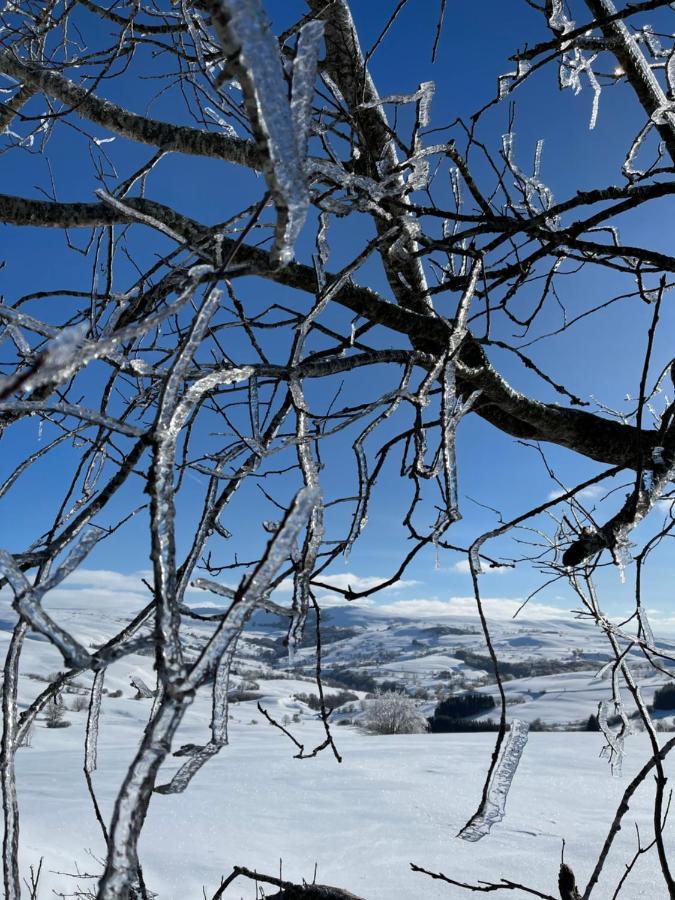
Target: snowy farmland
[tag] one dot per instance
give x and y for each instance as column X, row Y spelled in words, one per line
column 393, row 800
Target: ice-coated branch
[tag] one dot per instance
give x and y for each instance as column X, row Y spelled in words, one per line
column 232, row 624
column 91, row 738
column 494, row 810
column 172, row 412
column 134, row 796
column 91, row 745
column 637, row 70
column 315, row 526
column 132, row 801
column 10, row 807
column 27, row 598
column 255, row 587
column 280, row 127
column 167, row 135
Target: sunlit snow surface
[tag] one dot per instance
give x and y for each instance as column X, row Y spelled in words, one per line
column 392, row 801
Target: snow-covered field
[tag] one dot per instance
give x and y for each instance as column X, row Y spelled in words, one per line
column 392, row 801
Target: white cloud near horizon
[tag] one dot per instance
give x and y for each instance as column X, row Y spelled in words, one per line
column 106, row 589
column 494, row 607
column 108, row 579
column 344, row 580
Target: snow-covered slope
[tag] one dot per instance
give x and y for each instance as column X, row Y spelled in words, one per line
column 391, row 801
column 553, row 671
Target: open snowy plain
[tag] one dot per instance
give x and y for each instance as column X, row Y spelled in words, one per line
column 393, row 799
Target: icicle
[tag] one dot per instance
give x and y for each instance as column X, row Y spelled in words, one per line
column 91, row 737
column 426, row 89
column 188, row 770
column 456, row 185
column 646, row 628
column 304, row 75
column 422, row 95
column 622, row 556
column 495, row 808
column 597, row 90
column 255, row 58
column 322, row 249
column 557, row 18
column 228, row 130
column 93, row 473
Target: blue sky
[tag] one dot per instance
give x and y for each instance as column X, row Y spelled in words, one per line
column 600, row 357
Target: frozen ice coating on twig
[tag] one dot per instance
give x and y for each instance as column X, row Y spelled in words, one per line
column 28, row 598
column 615, row 739
column 573, row 62
column 91, row 736
column 423, row 96
column 68, row 349
column 174, row 410
column 53, row 363
column 536, row 195
column 557, row 19
column 646, row 628
column 495, row 807
column 188, row 770
column 280, row 127
column 304, row 75
column 256, row 587
column 139, row 685
column 231, row 630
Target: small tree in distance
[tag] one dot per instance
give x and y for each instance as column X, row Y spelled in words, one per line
column 393, row 713
column 55, row 714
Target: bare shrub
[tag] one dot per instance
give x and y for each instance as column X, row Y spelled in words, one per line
column 79, row 704
column 55, row 714
column 393, row 713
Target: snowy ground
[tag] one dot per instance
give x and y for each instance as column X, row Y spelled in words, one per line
column 393, row 800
